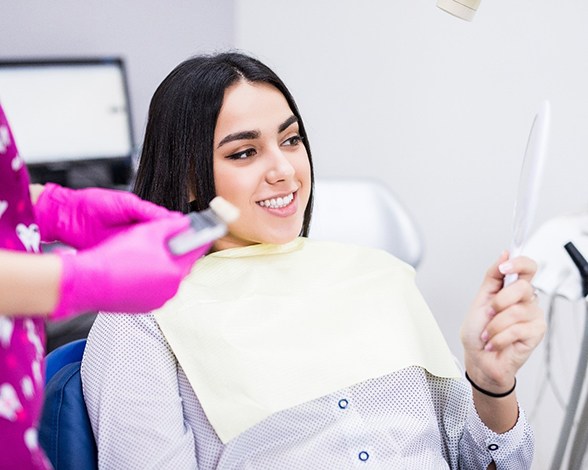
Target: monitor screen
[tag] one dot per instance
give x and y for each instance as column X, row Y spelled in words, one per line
column 65, row 112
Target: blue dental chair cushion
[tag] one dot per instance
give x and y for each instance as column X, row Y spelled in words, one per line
column 65, row 432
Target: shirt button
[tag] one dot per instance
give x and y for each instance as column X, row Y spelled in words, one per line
column 493, row 447
column 343, row 403
column 363, row 456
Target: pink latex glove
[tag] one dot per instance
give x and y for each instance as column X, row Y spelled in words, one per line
column 131, row 272
column 84, row 217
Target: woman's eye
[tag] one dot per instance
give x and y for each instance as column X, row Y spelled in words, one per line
column 241, row 155
column 293, row 141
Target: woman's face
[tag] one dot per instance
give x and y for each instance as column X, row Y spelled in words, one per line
column 260, row 165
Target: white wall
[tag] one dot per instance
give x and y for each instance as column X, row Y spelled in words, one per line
column 439, row 109
column 153, row 36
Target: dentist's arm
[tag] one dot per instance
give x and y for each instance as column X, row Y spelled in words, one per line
column 29, row 284
column 132, row 272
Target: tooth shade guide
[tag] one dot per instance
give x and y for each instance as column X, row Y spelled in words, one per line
column 224, row 209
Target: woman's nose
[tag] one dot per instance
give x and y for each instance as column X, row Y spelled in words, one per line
column 280, row 168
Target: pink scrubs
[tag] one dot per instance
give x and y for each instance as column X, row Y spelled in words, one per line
column 22, row 340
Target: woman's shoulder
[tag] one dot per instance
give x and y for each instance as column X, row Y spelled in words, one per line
column 122, row 332
column 121, row 323
column 120, row 342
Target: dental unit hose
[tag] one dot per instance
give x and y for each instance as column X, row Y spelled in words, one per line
column 580, row 263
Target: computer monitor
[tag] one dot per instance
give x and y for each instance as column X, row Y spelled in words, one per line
column 70, row 116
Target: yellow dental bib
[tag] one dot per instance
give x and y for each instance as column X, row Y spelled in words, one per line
column 263, row 328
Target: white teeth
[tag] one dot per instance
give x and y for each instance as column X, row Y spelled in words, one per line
column 277, row 202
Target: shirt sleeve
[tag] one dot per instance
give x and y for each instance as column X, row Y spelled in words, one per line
column 467, row 442
column 510, row 450
column 130, row 377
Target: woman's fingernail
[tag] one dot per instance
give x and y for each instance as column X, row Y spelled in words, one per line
column 488, row 347
column 505, row 268
column 490, row 312
column 484, row 336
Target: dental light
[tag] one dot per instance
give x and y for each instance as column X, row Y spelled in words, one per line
column 464, row 9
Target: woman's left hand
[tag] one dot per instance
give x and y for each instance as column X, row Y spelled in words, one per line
column 504, row 325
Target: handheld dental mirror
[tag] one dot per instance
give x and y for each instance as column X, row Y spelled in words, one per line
column 529, row 182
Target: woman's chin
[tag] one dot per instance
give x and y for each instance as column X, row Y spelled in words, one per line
column 278, row 238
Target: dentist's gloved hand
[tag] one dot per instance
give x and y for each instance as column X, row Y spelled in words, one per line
column 84, row 217
column 131, row 272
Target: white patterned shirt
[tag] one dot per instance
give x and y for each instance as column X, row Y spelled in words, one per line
column 145, row 415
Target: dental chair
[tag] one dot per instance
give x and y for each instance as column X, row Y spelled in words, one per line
column 65, row 433
column 364, row 212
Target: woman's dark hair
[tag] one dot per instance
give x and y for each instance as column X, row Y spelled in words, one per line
column 179, row 138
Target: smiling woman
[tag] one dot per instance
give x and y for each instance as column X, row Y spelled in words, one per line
column 264, row 171
column 283, row 352
column 221, row 102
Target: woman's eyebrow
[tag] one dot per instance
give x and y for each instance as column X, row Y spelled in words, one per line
column 243, row 135
column 287, row 123
column 250, row 135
